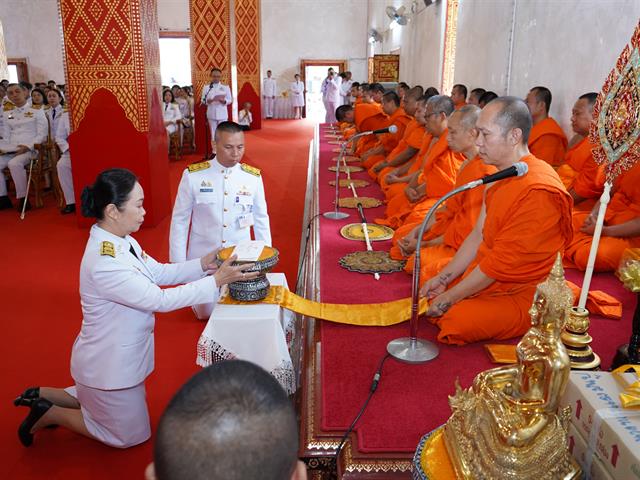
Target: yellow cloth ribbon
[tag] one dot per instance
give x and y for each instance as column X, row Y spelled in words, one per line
column 366, row 315
column 630, row 397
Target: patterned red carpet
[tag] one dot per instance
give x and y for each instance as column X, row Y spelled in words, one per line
column 40, row 259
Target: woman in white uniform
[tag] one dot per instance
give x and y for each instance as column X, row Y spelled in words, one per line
column 119, row 292
column 170, row 112
column 297, row 96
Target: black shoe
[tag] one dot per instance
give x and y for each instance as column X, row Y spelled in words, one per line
column 26, row 398
column 21, row 201
column 38, row 409
column 5, row 203
column 71, row 208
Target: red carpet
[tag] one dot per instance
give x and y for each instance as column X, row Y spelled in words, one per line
column 411, row 399
column 40, row 259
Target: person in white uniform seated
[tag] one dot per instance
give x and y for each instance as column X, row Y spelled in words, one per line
column 64, row 163
column 297, row 96
column 245, row 117
column 230, row 421
column 217, row 203
column 170, row 112
column 119, row 293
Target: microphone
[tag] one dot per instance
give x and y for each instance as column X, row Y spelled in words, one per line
column 518, row 169
column 389, row 129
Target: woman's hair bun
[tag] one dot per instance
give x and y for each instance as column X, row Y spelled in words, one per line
column 88, row 207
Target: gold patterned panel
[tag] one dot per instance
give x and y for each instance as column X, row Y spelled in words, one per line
column 450, row 35
column 386, row 68
column 247, row 16
column 104, row 49
column 210, row 41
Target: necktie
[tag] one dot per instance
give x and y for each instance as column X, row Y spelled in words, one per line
column 133, row 252
column 54, row 113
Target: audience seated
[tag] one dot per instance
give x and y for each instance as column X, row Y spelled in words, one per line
column 230, row 421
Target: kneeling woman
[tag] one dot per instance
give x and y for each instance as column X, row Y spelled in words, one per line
column 119, row 291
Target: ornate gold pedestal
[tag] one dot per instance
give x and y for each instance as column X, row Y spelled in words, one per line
column 577, row 340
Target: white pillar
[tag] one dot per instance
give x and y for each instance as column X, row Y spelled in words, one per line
column 4, row 68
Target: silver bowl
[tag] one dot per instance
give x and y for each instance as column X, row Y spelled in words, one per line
column 258, row 288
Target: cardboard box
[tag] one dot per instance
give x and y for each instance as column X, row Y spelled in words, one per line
column 612, row 432
column 588, row 460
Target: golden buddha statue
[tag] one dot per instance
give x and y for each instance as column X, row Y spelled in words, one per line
column 508, row 424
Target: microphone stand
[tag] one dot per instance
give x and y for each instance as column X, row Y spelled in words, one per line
column 412, row 349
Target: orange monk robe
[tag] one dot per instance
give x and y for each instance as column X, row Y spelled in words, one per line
column 548, row 142
column 389, row 141
column 391, row 190
column 459, row 105
column 439, row 173
column 413, row 136
column 368, row 116
column 623, row 207
column 358, row 101
column 528, row 221
column 582, row 174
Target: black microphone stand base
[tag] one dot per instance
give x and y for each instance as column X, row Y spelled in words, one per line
column 335, row 215
column 412, row 350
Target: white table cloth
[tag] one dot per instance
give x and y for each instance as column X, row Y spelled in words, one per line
column 258, row 333
column 283, row 108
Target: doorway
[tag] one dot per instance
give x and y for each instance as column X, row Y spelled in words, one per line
column 175, row 60
column 313, row 73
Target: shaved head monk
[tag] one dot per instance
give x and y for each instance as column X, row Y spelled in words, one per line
column 582, row 177
column 452, row 224
column 459, row 95
column 474, row 96
column 438, row 173
column 388, row 141
column 621, row 225
column 486, row 98
column 368, row 115
column 485, row 291
column 377, row 91
column 345, row 118
column 407, row 147
column 402, row 89
column 547, row 140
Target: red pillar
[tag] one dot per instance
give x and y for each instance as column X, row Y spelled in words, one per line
column 247, row 18
column 112, row 65
column 210, row 47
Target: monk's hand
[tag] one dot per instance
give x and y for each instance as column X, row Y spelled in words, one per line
column 412, row 195
column 589, row 225
column 440, row 305
column 435, row 286
column 408, row 243
column 379, row 167
column 391, row 178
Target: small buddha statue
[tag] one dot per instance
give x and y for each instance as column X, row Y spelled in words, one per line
column 508, row 424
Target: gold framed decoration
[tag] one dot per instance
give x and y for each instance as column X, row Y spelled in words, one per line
column 371, row 261
column 377, row 233
column 352, row 202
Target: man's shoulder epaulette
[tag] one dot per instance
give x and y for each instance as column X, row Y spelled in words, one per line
column 8, row 106
column 196, row 167
column 249, row 169
column 36, row 107
column 107, row 248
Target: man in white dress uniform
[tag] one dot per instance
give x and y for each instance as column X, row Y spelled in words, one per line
column 221, row 200
column 269, row 88
column 216, row 96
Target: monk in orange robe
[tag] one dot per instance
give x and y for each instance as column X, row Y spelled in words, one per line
column 547, row 141
column 439, row 169
column 345, row 118
column 621, row 226
column 459, row 95
column 368, row 116
column 485, row 291
column 475, row 95
column 452, row 224
column 408, row 146
column 582, row 176
column 388, row 141
column 356, row 92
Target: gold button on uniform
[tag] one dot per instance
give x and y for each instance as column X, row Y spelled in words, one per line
column 225, row 193
column 226, row 209
column 224, row 226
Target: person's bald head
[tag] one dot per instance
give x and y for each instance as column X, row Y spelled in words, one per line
column 503, row 131
column 462, row 130
column 437, row 111
column 410, row 100
column 539, row 102
column 486, row 98
column 474, row 96
column 459, row 93
column 377, row 91
column 344, row 113
column 402, row 89
column 230, row 421
column 582, row 113
column 390, row 102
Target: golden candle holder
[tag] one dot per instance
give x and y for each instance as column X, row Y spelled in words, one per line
column 577, row 340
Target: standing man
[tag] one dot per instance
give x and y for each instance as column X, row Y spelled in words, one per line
column 269, row 87
column 216, row 96
column 345, row 88
column 24, row 127
column 331, row 96
column 220, row 199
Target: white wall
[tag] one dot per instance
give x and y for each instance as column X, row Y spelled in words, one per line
column 173, row 15
column 32, row 31
column 293, row 30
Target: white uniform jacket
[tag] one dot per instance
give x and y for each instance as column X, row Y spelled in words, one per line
column 119, row 294
column 216, row 110
column 61, row 134
column 23, row 126
column 171, row 112
column 297, row 94
column 220, row 204
column 269, row 87
column 54, row 115
column 333, row 91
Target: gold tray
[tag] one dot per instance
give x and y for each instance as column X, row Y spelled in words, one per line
column 377, row 233
column 347, row 158
column 371, row 262
column 344, row 182
column 352, row 202
column 349, row 168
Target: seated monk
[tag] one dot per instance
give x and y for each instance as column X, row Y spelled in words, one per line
column 459, row 95
column 582, row 176
column 437, row 175
column 452, row 224
column 402, row 89
column 621, row 226
column 345, row 118
column 485, row 291
column 368, row 115
column 388, row 141
column 475, row 95
column 547, row 140
column 357, row 92
column 408, row 146
column 486, row 97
